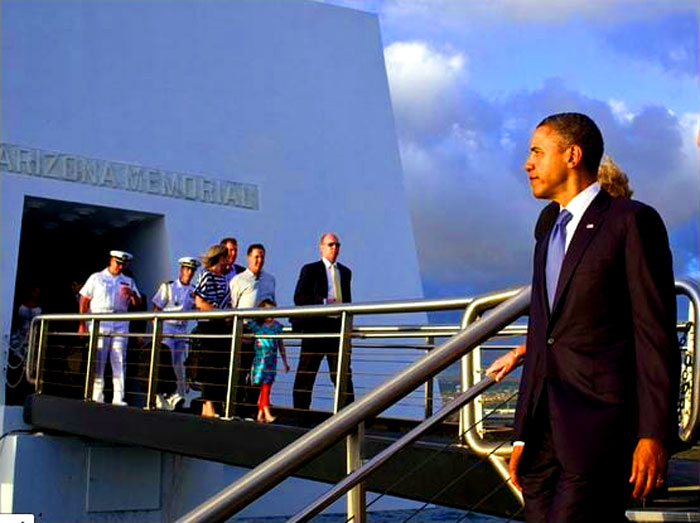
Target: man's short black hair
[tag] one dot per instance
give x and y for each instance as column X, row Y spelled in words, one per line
column 254, row 246
column 229, row 240
column 578, row 129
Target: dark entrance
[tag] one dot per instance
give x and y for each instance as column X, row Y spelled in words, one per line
column 61, row 244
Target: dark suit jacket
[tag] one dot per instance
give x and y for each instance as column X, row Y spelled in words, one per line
column 607, row 353
column 312, row 289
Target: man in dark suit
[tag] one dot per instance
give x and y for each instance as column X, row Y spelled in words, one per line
column 232, row 268
column 324, row 281
column 595, row 414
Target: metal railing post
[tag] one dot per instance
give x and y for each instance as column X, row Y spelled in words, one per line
column 234, row 366
column 356, row 502
column 90, row 367
column 154, row 364
column 689, row 415
column 40, row 357
column 343, row 370
column 429, row 384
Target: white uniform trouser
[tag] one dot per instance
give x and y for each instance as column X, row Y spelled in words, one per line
column 113, row 347
column 179, row 348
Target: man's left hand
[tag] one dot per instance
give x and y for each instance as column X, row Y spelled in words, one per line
column 648, row 466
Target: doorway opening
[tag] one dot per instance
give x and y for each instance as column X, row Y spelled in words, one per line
column 61, row 244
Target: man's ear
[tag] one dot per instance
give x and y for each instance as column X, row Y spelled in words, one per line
column 575, row 156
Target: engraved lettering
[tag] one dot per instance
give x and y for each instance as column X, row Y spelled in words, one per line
column 90, row 171
column 171, row 185
column 232, row 194
column 6, row 163
column 155, row 181
column 114, row 175
column 51, row 165
column 69, row 168
column 107, row 177
column 134, row 178
column 189, row 187
column 207, row 191
column 24, row 161
column 250, row 197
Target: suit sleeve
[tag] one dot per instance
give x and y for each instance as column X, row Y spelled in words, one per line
column 649, row 269
column 347, row 291
column 304, row 291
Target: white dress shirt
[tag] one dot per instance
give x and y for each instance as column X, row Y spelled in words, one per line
column 329, row 275
column 577, row 207
column 248, row 290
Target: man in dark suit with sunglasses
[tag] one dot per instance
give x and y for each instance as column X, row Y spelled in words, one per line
column 321, row 282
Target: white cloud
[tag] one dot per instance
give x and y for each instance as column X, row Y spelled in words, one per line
column 449, row 11
column 472, row 207
column 425, row 84
column 621, row 111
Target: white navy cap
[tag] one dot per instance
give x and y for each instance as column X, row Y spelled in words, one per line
column 188, row 261
column 121, row 256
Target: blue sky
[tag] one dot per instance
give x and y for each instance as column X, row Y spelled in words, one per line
column 470, row 79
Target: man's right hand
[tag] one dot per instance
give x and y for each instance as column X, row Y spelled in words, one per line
column 82, row 328
column 506, row 363
column 514, row 464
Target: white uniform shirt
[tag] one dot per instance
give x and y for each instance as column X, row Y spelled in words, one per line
column 247, row 290
column 174, row 296
column 104, row 291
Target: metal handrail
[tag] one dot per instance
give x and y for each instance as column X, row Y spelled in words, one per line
column 313, row 443
column 369, row 308
column 689, row 430
column 370, row 466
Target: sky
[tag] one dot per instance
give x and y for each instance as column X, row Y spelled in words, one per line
column 470, row 79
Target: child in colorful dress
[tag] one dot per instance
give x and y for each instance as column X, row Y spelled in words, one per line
column 264, row 366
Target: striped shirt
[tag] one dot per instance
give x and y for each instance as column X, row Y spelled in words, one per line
column 213, row 289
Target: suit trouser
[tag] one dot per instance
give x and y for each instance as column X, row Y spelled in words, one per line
column 553, row 494
column 312, row 353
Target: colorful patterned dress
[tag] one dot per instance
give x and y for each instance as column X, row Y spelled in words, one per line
column 264, row 365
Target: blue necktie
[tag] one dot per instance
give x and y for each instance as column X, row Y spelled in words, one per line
column 555, row 253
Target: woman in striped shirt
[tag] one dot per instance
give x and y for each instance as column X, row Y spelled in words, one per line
column 212, row 293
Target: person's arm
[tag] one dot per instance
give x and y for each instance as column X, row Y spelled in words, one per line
column 135, row 298
column 304, row 291
column 83, row 308
column 506, row 363
column 234, row 291
column 202, row 304
column 347, row 292
column 514, row 465
column 649, row 271
column 283, row 353
column 161, row 299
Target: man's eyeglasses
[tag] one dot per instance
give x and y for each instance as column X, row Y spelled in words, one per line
column 333, row 244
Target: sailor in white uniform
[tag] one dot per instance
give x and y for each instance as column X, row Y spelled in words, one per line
column 110, row 291
column 177, row 296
